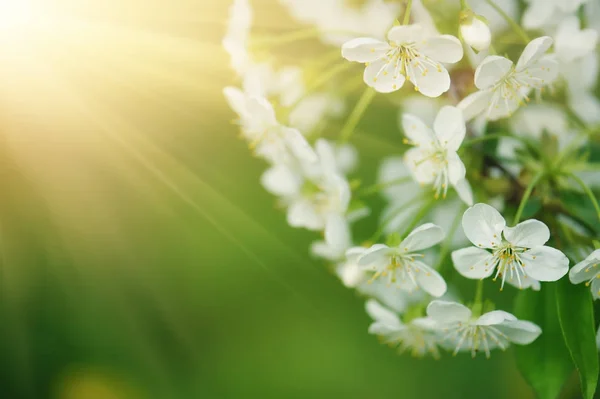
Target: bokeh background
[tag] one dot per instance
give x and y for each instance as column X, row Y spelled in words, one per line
column 140, row 257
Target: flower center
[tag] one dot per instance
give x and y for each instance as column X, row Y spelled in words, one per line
column 401, row 267
column 438, row 157
column 508, row 262
column 476, row 337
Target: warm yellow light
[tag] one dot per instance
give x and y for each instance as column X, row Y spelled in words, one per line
column 14, row 13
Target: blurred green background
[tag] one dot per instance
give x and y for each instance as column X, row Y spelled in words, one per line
column 140, row 256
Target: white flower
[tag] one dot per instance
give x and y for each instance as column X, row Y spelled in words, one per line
column 466, row 332
column 434, row 160
column 313, row 110
column 418, row 336
column 474, row 31
column 542, row 12
column 337, row 239
column 400, row 265
column 587, row 270
column 270, row 140
column 572, row 42
column 503, row 86
column 235, row 41
column 408, row 54
column 325, row 191
column 516, row 252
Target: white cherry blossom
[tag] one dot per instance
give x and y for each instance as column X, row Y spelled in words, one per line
column 474, row 31
column 513, row 253
column 588, row 270
column 337, row 239
column 467, row 332
column 236, row 38
column 434, row 159
column 572, row 42
column 401, row 264
column 419, row 336
column 409, row 53
column 504, row 86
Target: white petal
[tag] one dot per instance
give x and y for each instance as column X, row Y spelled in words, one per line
column 502, row 107
column 384, row 76
column 298, row 145
column 281, row 180
column 417, row 132
column 528, row 234
column 586, row 269
column 382, row 314
column 406, row 34
column 376, row 254
column 430, row 280
column 456, row 168
column 537, row 14
column 545, row 263
column 326, row 155
column 494, row 317
column 463, row 188
column 424, row 236
column 236, row 100
column 444, row 48
column 519, row 331
column 539, row 74
column 429, row 77
column 364, row 49
column 337, row 234
column 477, row 34
column 596, row 288
column 261, row 109
column 475, row 103
column 534, row 51
column 483, row 225
column 302, row 214
column 572, row 42
column 491, row 70
column 474, row 263
column 449, row 127
column 445, row 312
column 424, row 171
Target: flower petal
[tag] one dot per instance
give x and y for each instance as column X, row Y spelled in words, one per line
column 430, row 280
column 534, row 51
column 298, row 145
column 337, row 233
column 281, row 180
column 236, row 100
column 494, row 317
column 376, row 254
column 384, row 76
column 302, row 214
column 456, row 168
column 417, row 132
column 403, row 34
column 429, row 77
column 573, row 42
column 449, row 127
column 474, row 263
column 537, row 14
column 463, row 188
column 445, row 312
column 381, row 314
column 444, row 48
column 424, row 171
column 539, row 74
column 545, row 263
column 586, row 269
column 483, row 225
column 491, row 70
column 528, row 234
column 424, row 236
column 520, row 331
column 475, row 103
column 364, row 49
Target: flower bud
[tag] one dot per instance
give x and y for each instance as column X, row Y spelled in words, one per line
column 474, row 30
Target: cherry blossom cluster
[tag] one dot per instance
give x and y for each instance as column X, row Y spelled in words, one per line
column 489, row 82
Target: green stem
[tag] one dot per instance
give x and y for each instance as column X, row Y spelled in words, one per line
column 518, row 30
column 422, row 212
column 357, row 113
column 463, row 5
column 375, row 188
column 526, row 196
column 589, row 193
column 494, row 136
column 445, row 249
column 478, row 303
column 407, row 13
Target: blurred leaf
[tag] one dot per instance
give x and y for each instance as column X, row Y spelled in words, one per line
column 545, row 363
column 531, row 208
column 579, row 205
column 576, row 315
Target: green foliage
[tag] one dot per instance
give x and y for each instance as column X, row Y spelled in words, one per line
column 546, row 363
column 576, row 316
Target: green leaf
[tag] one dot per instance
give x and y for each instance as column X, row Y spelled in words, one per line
column 545, row 363
column 576, row 316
